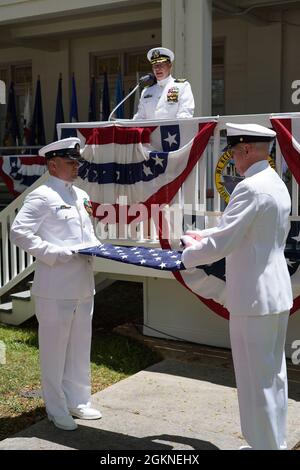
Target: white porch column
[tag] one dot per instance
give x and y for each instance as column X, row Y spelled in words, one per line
column 2, row 92
column 187, row 30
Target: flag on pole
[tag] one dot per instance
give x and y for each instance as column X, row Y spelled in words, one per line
column 11, row 132
column 74, row 107
column 105, row 99
column 59, row 112
column 26, row 119
column 119, row 97
column 92, row 103
column 37, row 130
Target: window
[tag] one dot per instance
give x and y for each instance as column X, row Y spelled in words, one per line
column 21, row 75
column 131, row 65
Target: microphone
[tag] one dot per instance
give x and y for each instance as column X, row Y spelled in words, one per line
column 148, row 79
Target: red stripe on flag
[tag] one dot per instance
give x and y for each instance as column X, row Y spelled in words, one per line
column 116, row 135
column 283, row 128
column 34, row 160
column 296, row 305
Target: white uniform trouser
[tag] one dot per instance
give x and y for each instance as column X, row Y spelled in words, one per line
column 260, row 368
column 64, row 345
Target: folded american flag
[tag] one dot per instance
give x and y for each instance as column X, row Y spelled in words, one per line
column 164, row 260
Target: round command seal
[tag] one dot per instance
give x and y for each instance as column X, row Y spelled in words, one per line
column 226, row 177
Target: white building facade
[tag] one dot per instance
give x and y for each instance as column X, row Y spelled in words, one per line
column 240, row 57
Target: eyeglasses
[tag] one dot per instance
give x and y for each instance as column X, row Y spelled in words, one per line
column 159, row 66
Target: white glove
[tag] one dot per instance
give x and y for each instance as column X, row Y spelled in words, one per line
column 65, row 255
column 187, row 240
column 196, row 234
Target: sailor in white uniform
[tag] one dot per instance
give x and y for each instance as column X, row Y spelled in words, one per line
column 251, row 235
column 169, row 98
column 54, row 220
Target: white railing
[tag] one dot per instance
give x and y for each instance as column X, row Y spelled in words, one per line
column 15, row 264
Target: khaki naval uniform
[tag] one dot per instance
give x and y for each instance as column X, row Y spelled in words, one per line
column 252, row 235
column 54, row 220
column 167, row 99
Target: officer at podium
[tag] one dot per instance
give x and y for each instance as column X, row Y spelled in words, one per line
column 168, row 98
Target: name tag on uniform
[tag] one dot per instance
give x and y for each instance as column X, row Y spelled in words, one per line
column 63, row 207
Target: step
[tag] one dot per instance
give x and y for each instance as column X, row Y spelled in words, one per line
column 25, row 295
column 6, row 308
column 22, row 308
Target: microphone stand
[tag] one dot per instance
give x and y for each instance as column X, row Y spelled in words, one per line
column 121, row 102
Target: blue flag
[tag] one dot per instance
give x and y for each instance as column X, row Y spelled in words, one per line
column 105, row 99
column 11, row 133
column 37, row 131
column 59, row 113
column 92, row 102
column 119, row 97
column 74, row 107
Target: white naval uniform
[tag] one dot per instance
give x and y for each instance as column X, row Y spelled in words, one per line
column 156, row 101
column 251, row 235
column 52, row 221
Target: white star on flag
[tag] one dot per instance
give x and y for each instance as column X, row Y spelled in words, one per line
column 158, row 161
column 171, row 139
column 147, row 170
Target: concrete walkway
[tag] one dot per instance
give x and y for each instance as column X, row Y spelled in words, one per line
column 186, row 401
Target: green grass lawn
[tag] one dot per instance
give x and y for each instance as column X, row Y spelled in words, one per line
column 113, row 358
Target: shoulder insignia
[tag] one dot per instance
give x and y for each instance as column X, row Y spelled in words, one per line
column 180, row 80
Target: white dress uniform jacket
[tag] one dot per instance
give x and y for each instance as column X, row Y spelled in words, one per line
column 251, row 235
column 167, row 99
column 52, row 219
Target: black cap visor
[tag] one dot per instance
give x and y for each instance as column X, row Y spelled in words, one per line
column 233, row 140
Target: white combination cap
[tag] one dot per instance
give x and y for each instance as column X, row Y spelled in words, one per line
column 158, row 55
column 65, row 148
column 243, row 133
